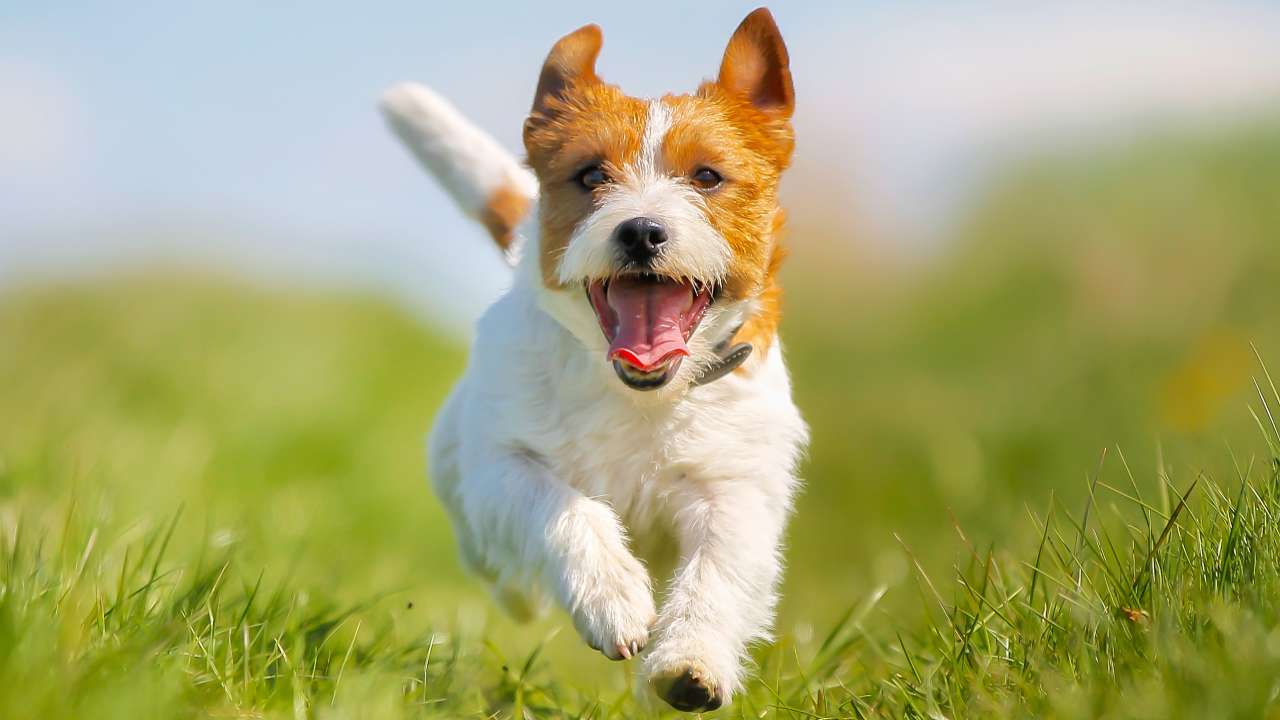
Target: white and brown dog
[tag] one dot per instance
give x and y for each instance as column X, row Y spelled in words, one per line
column 628, row 392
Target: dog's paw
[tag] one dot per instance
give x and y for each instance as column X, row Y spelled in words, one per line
column 615, row 613
column 688, row 688
column 692, row 671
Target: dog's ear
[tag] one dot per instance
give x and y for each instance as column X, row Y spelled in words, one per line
column 756, row 65
column 572, row 61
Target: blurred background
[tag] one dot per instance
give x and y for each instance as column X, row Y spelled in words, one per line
column 1020, row 235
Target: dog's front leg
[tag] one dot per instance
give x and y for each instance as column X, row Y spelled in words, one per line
column 723, row 594
column 528, row 521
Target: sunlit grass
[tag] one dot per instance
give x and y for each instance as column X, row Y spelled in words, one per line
column 1129, row 598
column 213, row 502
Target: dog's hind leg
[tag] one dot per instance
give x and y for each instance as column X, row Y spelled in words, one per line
column 520, row 600
column 445, row 475
column 517, row 596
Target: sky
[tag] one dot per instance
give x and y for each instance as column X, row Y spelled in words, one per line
column 245, row 135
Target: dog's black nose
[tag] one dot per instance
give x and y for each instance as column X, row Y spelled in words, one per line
column 640, row 238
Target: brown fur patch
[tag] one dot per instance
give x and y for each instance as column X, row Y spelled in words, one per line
column 762, row 327
column 750, row 150
column 593, row 123
column 572, row 60
column 756, row 65
column 502, row 212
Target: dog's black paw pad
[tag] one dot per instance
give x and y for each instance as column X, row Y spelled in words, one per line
column 688, row 693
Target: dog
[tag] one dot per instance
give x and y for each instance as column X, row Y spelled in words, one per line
column 627, row 396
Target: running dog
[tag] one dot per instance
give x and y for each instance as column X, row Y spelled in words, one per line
column 628, row 393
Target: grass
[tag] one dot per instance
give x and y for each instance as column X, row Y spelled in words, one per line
column 1159, row 597
column 1101, row 299
column 212, row 499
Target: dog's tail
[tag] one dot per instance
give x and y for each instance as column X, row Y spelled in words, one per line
column 485, row 180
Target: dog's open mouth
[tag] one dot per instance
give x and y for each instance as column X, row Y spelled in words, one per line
column 648, row 320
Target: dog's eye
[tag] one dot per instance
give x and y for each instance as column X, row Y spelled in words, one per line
column 591, row 177
column 706, row 179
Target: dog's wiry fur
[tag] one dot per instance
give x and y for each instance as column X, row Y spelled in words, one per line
column 553, row 471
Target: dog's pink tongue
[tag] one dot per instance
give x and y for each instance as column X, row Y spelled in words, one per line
column 649, row 321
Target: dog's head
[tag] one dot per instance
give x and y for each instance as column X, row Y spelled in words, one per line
column 658, row 217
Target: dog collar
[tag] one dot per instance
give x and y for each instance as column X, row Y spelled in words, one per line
column 728, row 358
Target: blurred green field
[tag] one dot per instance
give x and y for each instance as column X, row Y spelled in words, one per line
column 1105, row 300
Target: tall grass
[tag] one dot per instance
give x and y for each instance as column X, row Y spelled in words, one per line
column 1142, row 603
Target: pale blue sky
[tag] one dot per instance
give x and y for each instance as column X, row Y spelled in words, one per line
column 245, row 133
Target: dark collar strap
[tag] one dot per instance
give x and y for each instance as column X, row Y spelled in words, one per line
column 728, row 358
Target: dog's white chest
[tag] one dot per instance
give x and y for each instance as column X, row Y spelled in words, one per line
column 605, row 447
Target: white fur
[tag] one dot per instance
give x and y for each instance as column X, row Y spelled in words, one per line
column 554, row 473
column 469, row 163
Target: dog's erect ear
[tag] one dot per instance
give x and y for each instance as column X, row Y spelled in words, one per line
column 572, row 61
column 756, row 65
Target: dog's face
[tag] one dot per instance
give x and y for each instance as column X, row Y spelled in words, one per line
column 658, row 214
